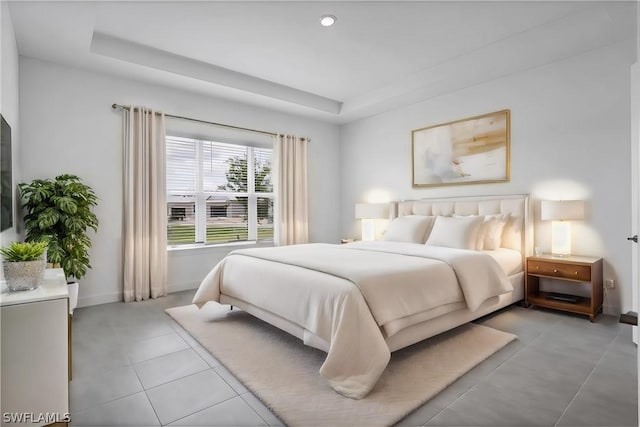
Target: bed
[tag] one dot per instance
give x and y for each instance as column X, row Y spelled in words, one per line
column 359, row 302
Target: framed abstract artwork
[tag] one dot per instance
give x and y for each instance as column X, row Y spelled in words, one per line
column 475, row 150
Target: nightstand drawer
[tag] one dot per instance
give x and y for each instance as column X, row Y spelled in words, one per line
column 563, row 271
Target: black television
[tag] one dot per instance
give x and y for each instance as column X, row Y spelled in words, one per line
column 6, row 176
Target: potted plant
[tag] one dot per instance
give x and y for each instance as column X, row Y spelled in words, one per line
column 23, row 265
column 59, row 212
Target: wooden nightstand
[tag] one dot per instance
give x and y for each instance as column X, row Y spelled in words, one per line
column 571, row 269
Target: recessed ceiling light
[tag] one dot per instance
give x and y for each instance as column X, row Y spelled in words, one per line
column 327, row 20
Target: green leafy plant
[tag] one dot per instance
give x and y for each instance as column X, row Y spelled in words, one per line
column 28, row 251
column 59, row 212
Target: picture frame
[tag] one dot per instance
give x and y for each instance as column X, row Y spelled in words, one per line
column 474, row 150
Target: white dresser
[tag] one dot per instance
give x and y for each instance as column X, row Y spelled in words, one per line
column 34, row 352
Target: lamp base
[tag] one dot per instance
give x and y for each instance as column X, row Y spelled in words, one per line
column 561, row 238
column 368, row 229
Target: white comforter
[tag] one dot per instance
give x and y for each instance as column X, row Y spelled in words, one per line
column 344, row 293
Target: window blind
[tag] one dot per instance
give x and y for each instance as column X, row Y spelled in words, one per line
column 218, row 192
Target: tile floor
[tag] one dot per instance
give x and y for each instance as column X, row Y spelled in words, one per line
column 563, row 370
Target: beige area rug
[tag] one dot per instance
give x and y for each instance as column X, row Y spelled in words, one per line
column 283, row 372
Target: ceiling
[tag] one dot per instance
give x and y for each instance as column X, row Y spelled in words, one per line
column 378, row 55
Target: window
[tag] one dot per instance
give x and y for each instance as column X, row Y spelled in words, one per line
column 218, row 192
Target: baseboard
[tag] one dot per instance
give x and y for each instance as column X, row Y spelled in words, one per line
column 117, row 296
column 613, row 310
column 177, row 287
column 99, row 299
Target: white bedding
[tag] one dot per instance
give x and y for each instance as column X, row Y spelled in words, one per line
column 344, row 294
column 509, row 260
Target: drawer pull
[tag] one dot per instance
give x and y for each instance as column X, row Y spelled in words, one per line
column 576, row 273
column 537, row 267
column 555, row 270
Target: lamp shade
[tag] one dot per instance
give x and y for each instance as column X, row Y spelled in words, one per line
column 372, row 210
column 561, row 210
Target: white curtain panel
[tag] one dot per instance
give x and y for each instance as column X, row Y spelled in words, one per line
column 145, row 205
column 290, row 171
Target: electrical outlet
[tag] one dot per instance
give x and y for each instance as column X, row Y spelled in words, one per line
column 610, row 284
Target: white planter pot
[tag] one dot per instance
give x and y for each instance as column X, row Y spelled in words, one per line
column 73, row 296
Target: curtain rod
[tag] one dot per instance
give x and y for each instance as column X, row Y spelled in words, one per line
column 125, row 107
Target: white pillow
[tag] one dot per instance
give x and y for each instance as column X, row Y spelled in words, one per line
column 489, row 236
column 492, row 231
column 410, row 229
column 479, row 242
column 455, row 232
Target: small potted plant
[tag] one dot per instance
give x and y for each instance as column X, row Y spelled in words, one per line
column 23, row 265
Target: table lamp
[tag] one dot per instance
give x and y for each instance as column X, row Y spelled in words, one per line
column 368, row 213
column 561, row 213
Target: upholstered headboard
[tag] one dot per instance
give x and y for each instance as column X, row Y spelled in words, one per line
column 517, row 234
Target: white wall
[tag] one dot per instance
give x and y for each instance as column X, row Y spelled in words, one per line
column 570, row 124
column 9, row 104
column 68, row 126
